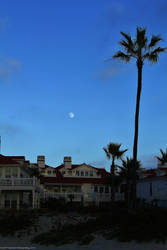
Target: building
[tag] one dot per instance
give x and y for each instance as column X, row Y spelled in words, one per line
column 81, row 183
column 152, row 186
column 17, row 188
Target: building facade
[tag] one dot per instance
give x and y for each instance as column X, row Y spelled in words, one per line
column 152, row 186
column 81, row 183
column 17, row 188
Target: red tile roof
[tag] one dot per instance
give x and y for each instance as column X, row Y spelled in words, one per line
column 16, row 157
column 77, row 180
column 73, row 180
column 7, row 160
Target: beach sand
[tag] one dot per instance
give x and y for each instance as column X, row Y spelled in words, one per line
column 98, row 244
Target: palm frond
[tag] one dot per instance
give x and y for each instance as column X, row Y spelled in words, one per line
column 129, row 48
column 163, row 158
column 107, row 153
column 158, row 50
column 121, row 153
column 154, row 54
column 127, row 37
column 141, row 39
column 126, row 170
column 122, row 56
column 151, row 57
column 154, row 41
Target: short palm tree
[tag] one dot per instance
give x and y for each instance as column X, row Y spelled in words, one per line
column 126, row 173
column 139, row 49
column 113, row 152
column 163, row 158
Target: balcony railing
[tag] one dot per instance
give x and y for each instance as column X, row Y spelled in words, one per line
column 18, row 182
column 95, row 197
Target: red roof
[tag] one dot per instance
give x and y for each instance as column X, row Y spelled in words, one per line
column 77, row 180
column 73, row 180
column 16, row 157
column 7, row 160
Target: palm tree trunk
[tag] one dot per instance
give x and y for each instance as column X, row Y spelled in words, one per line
column 113, row 180
column 135, row 145
column 128, row 192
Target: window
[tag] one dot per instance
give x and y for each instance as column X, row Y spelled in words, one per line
column 101, row 190
column 63, row 172
column 13, row 203
column 49, row 172
column 7, row 203
column 77, row 173
column 8, row 172
column 14, row 172
column 82, row 173
column 106, row 190
column 86, row 173
column 95, row 189
column 0, row 172
column 91, row 173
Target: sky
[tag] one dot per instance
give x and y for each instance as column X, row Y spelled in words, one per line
column 58, row 95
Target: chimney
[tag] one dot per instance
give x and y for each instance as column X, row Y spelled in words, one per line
column 41, row 161
column 67, row 162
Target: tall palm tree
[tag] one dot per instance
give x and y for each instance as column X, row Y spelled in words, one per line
column 126, row 173
column 163, row 158
column 139, row 49
column 113, row 152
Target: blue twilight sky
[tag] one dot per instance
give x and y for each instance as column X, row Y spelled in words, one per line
column 52, row 56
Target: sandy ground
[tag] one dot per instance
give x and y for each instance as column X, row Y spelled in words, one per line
column 98, row 244
column 45, row 223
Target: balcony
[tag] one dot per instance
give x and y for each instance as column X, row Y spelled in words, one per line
column 18, row 183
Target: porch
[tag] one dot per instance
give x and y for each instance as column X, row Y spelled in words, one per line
column 83, row 198
column 19, row 193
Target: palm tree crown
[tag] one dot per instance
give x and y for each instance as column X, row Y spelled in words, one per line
column 139, row 48
column 126, row 170
column 163, row 158
column 113, row 151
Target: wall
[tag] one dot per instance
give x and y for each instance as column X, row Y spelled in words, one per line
column 159, row 190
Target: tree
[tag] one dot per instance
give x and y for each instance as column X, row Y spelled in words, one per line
column 113, row 152
column 163, row 158
column 139, row 49
column 35, row 172
column 126, row 173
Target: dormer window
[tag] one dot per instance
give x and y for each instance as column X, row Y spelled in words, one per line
column 77, row 173
column 82, row 173
column 91, row 173
column 86, row 173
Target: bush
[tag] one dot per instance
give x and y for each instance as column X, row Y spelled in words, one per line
column 53, row 204
column 12, row 221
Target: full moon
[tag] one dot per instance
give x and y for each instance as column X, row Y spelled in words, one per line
column 71, row 115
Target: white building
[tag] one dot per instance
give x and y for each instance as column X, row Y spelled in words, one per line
column 152, row 186
column 17, row 188
column 82, row 183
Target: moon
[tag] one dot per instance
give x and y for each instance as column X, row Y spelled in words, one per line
column 71, row 115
